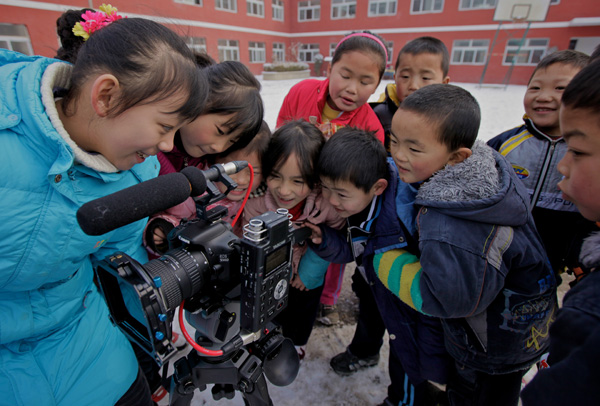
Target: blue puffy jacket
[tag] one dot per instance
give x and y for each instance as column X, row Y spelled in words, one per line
column 57, row 344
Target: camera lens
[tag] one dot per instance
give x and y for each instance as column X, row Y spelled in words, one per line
column 181, row 273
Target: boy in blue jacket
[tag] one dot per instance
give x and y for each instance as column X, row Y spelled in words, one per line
column 364, row 188
column 574, row 356
column 534, row 149
column 483, row 269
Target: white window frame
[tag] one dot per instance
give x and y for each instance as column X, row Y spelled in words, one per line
column 307, row 50
column 476, row 4
column 226, row 5
column 196, row 44
column 423, row 6
column 190, row 2
column 527, row 48
column 343, row 9
column 391, row 7
column 229, row 50
column 278, row 10
column 312, row 7
column 15, row 37
column 257, row 51
column 470, row 49
column 332, row 47
column 255, row 8
column 278, row 52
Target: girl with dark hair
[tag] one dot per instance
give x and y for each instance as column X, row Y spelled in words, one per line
column 72, row 133
column 289, row 167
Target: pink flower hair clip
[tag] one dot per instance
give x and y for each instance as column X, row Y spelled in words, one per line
column 94, row 20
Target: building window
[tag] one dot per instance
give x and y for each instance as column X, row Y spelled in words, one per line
column 531, row 52
column 192, row 2
column 229, row 50
column 343, row 9
column 554, row 1
column 226, row 5
column 257, row 52
column 255, row 8
column 309, row 10
column 278, row 52
column 307, row 52
column 470, row 51
column 16, row 38
column 426, row 6
column 277, row 10
column 476, row 4
column 332, row 47
column 197, row 44
column 382, row 8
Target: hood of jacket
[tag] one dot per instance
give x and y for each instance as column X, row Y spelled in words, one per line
column 477, row 189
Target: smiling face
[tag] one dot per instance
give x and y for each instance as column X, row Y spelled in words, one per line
column 287, row 185
column 415, row 147
column 352, row 80
column 346, row 198
column 581, row 164
column 543, row 94
column 416, row 71
column 208, row 134
column 242, row 178
column 135, row 134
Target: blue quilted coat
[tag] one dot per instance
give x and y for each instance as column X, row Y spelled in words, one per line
column 57, row 344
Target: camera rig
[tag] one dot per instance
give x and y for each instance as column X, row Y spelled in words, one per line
column 230, row 288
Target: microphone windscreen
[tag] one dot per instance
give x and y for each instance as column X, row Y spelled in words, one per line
column 107, row 213
column 196, row 178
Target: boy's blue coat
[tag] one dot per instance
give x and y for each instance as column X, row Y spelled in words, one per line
column 485, row 270
column 57, row 344
column 417, row 338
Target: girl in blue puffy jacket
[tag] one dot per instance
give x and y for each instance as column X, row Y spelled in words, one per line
column 71, row 133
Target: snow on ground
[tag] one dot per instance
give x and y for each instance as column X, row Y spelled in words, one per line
column 317, row 384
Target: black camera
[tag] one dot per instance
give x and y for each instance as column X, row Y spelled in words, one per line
column 230, row 288
column 225, row 282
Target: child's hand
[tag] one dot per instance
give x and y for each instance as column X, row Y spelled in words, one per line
column 159, row 236
column 297, row 283
column 317, row 235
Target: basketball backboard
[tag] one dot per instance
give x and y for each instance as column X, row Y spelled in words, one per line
column 521, row 10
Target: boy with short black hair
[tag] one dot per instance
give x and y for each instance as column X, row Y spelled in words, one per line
column 483, row 269
column 574, row 353
column 535, row 148
column 363, row 187
column 422, row 61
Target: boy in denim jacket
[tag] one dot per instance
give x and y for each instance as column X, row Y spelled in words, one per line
column 483, row 269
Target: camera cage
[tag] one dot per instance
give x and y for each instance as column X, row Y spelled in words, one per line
column 218, row 276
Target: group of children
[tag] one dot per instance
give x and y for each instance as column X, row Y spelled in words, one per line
column 451, row 239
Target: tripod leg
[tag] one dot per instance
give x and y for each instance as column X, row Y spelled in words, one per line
column 259, row 395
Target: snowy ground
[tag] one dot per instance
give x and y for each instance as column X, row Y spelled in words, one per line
column 317, row 384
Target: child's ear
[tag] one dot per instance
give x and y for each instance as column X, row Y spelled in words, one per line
column 104, row 92
column 459, row 155
column 328, row 70
column 446, row 80
column 379, row 186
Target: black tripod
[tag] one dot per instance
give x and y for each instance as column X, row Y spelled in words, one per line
column 245, row 370
column 242, row 372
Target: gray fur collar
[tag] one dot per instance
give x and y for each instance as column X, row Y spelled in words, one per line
column 590, row 251
column 473, row 179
